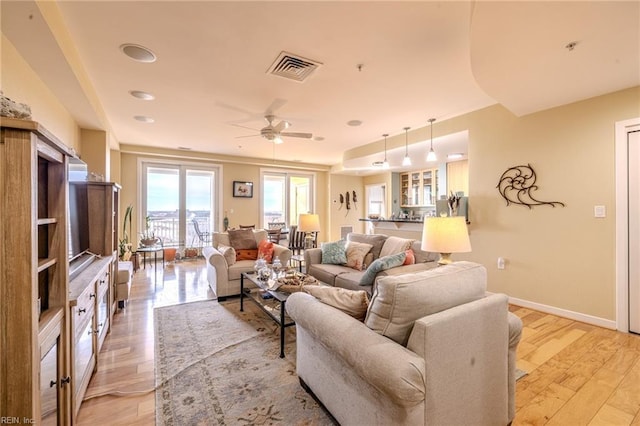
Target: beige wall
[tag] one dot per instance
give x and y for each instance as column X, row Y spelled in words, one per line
column 563, row 256
column 19, row 82
column 95, row 152
column 338, row 214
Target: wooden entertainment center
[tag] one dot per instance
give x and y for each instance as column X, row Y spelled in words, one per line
column 52, row 324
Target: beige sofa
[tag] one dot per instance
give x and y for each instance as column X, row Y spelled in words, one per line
column 223, row 274
column 349, row 278
column 434, row 349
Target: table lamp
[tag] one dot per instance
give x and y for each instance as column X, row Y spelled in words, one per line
column 445, row 235
column 308, row 223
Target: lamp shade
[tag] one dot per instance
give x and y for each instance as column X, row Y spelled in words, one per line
column 446, row 235
column 309, row 222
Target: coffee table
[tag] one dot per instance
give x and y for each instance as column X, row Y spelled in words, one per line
column 273, row 306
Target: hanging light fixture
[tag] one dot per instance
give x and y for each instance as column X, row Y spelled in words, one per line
column 431, row 156
column 406, row 161
column 385, row 163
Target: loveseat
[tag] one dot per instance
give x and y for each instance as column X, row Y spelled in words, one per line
column 224, row 266
column 434, row 349
column 350, row 275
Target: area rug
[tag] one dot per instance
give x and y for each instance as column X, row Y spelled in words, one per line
column 520, row 374
column 216, row 365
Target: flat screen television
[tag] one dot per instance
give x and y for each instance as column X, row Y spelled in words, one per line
column 78, row 219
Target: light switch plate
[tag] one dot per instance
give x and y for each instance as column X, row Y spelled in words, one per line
column 599, row 211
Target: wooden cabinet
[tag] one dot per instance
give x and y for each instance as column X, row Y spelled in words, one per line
column 419, row 188
column 34, row 337
column 89, row 313
column 103, row 206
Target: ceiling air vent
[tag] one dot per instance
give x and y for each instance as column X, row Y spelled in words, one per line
column 293, row 67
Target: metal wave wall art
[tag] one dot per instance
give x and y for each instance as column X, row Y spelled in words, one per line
column 517, row 185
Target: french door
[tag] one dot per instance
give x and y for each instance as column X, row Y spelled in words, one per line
column 286, row 195
column 176, row 197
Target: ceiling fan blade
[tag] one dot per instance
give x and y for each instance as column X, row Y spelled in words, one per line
column 244, row 127
column 246, row 136
column 281, row 126
column 297, row 135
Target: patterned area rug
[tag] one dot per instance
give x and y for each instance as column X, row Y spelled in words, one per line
column 216, row 365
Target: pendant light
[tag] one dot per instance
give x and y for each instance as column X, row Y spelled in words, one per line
column 406, row 161
column 431, row 156
column 385, row 163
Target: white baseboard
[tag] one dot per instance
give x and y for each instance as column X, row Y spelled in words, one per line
column 577, row 316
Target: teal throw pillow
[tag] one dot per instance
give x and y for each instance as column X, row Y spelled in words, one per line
column 380, row 264
column 334, row 253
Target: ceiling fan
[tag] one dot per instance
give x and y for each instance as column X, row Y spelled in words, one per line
column 275, row 133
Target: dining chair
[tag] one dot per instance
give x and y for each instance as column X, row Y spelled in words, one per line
column 273, row 235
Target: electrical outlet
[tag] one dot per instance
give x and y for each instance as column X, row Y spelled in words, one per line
column 501, row 263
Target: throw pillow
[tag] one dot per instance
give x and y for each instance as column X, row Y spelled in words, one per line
column 242, row 239
column 229, row 254
column 376, row 240
column 244, row 243
column 355, row 254
column 334, row 253
column 411, row 257
column 246, row 254
column 265, row 250
column 395, row 245
column 399, row 300
column 381, row 264
column 352, row 302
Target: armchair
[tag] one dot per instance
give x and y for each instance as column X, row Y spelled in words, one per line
column 223, row 273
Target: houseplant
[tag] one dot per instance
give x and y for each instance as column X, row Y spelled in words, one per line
column 125, row 244
column 148, row 237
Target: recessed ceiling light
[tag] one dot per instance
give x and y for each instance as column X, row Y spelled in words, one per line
column 138, row 53
column 455, row 156
column 354, row 123
column 377, row 164
column 144, row 118
column 145, row 96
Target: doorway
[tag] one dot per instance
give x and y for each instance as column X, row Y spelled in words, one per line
column 628, row 225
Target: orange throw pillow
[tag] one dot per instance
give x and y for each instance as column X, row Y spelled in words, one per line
column 411, row 257
column 246, row 254
column 265, row 250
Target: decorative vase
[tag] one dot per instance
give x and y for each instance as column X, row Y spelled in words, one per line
column 149, row 242
column 225, row 223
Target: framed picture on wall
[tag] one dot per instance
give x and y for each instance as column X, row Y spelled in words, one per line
column 242, row 189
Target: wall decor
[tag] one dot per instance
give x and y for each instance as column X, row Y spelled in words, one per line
column 517, row 184
column 242, row 189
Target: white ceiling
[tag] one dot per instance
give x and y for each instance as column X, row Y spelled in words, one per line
column 418, row 60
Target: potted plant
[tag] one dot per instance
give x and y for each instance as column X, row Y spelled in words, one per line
column 125, row 244
column 148, row 237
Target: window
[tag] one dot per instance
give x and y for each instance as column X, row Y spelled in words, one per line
column 174, row 196
column 285, row 196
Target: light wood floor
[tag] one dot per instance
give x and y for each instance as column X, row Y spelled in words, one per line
column 578, row 374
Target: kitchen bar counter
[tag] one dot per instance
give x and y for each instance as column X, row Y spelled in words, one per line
column 404, row 228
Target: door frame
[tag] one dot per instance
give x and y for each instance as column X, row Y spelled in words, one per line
column 622, row 129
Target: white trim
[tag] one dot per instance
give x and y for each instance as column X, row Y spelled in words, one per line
column 622, row 128
column 577, row 316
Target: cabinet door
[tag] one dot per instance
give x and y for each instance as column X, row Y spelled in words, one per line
column 404, row 189
column 84, row 361
column 416, row 182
